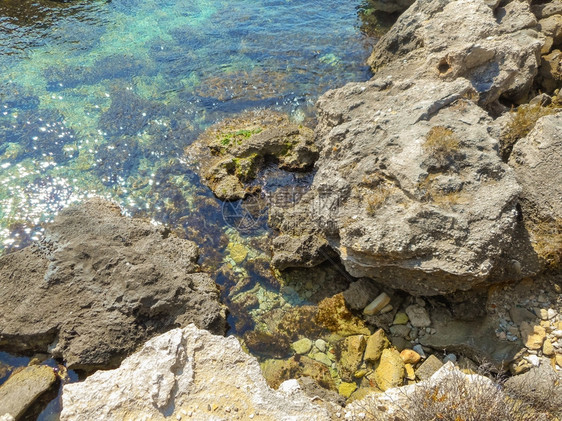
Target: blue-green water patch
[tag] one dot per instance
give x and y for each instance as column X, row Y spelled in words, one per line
column 101, row 98
column 97, row 96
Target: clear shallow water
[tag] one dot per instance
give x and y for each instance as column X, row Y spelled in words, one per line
column 98, row 97
column 101, row 98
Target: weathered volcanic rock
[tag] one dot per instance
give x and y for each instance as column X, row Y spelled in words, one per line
column 497, row 50
column 99, row 285
column 186, row 374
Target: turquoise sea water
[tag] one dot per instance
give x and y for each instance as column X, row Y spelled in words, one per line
column 97, row 97
column 101, row 98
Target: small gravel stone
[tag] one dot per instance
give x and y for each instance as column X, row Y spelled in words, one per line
column 419, row 349
column 418, row 316
column 320, row 344
column 450, row 357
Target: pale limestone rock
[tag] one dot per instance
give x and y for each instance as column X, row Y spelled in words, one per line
column 185, row 371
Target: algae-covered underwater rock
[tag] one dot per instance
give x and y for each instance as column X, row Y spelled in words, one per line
column 230, row 154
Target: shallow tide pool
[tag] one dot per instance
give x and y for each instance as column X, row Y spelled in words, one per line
column 100, row 98
column 96, row 97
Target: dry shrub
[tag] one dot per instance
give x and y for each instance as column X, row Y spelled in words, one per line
column 376, row 198
column 455, row 398
column 442, row 144
column 547, row 241
column 522, row 122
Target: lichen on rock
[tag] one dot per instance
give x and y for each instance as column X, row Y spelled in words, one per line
column 230, row 154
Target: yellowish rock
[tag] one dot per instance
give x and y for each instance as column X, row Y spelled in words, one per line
column 238, row 252
column 346, row 389
column 361, row 393
column 559, row 360
column 547, row 348
column 533, row 335
column 409, row 356
column 377, row 304
column 351, row 354
column 391, row 370
column 410, row 373
column 21, row 390
column 376, row 343
column 334, row 315
column 400, row 319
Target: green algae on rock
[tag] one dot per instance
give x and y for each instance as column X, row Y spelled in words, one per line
column 232, row 152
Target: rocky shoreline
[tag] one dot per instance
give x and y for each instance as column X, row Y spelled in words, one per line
column 428, row 241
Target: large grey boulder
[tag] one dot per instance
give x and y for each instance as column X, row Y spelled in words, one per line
column 497, row 50
column 99, row 285
column 410, row 189
column 187, row 374
column 537, row 162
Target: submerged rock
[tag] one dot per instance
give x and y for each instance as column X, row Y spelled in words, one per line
column 390, row 371
column 99, row 285
column 186, row 372
column 230, row 154
column 23, row 388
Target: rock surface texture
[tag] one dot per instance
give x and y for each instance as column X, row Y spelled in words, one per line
column 187, row 374
column 536, row 160
column 230, row 154
column 410, row 189
column 23, row 388
column 99, row 285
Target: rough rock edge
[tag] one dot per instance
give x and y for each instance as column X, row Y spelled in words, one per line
column 187, row 372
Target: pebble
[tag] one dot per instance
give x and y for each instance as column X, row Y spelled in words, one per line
column 534, row 360
column 557, row 333
column 533, row 335
column 320, row 344
column 450, row 357
column 377, row 304
column 547, row 348
column 386, row 309
column 419, row 349
column 410, row 356
column 302, row 346
column 400, row 319
column 418, row 316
